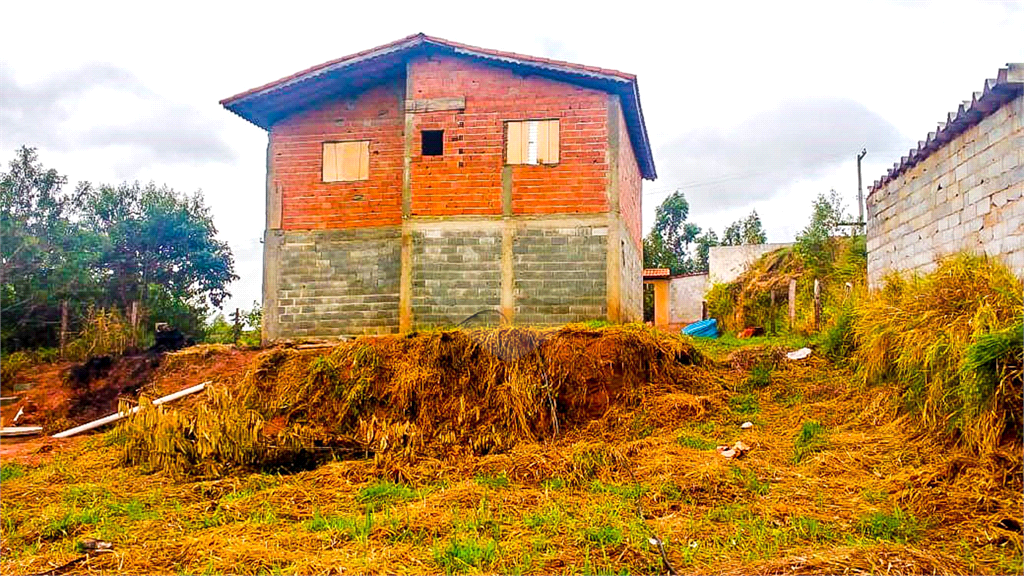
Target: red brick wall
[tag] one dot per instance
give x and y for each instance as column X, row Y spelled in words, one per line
column 467, row 179
column 630, row 181
column 297, row 148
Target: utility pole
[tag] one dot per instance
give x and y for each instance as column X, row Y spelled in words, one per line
column 860, row 192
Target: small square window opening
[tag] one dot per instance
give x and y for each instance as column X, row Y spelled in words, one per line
column 433, row 142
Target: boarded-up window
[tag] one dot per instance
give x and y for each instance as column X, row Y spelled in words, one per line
column 346, row 161
column 531, row 142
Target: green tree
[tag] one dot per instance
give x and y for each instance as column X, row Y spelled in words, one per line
column 703, row 244
column 44, row 255
column 753, row 231
column 103, row 247
column 160, row 248
column 668, row 243
column 816, row 242
column 746, row 231
column 733, row 235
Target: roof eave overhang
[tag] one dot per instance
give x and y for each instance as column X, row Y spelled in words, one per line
column 1007, row 85
column 268, row 104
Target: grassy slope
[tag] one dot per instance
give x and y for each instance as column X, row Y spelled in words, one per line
column 833, row 483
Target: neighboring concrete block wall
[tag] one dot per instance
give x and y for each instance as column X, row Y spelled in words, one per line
column 338, row 282
column 456, row 273
column 560, row 274
column 965, row 196
column 726, row 263
column 686, row 296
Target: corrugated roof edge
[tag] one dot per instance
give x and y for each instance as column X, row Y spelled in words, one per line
column 1007, row 84
column 645, row 159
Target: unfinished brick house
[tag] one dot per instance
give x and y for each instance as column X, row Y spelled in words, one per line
column 422, row 182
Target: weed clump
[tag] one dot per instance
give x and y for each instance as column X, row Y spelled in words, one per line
column 809, row 440
column 951, row 342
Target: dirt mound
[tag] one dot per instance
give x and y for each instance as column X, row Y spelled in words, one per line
column 62, row 395
column 421, row 395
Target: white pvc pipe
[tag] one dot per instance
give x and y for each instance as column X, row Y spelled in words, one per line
column 21, row 431
column 120, row 415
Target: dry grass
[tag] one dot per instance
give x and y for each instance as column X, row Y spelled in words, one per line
column 951, row 343
column 878, row 495
column 746, row 301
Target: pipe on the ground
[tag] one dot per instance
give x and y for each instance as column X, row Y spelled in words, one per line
column 115, row 417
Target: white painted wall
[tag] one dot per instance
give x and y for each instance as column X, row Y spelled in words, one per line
column 685, row 296
column 726, row 263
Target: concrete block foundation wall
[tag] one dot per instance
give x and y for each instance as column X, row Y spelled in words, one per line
column 455, row 273
column 334, row 282
column 965, row 196
column 559, row 273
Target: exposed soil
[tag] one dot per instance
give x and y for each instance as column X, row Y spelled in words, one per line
column 57, row 402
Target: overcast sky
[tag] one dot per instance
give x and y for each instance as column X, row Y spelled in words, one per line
column 749, row 106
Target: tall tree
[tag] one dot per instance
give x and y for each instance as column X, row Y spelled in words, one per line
column 668, row 243
column 704, row 243
column 753, row 231
column 159, row 247
column 44, row 256
column 816, row 241
column 103, row 246
column 746, row 231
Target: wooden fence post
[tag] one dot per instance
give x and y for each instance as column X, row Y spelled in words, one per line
column 63, row 326
column 236, row 330
column 817, row 305
column 133, row 317
column 792, row 304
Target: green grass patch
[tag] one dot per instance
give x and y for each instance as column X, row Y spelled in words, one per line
column 695, row 442
column 10, row 472
column 745, row 403
column 549, row 517
column 603, row 535
column 355, row 528
column 469, row 554
column 760, row 377
column 811, row 529
column 134, row 510
column 897, row 526
column 629, row 491
column 382, row 493
column 809, row 440
column 492, row 481
column 554, row 484
column 749, row 481
column 69, row 524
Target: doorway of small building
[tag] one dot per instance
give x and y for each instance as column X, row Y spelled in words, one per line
column 648, row 302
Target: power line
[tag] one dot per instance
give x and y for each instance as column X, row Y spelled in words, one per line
column 696, row 184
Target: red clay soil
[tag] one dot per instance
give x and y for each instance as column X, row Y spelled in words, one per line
column 54, row 403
